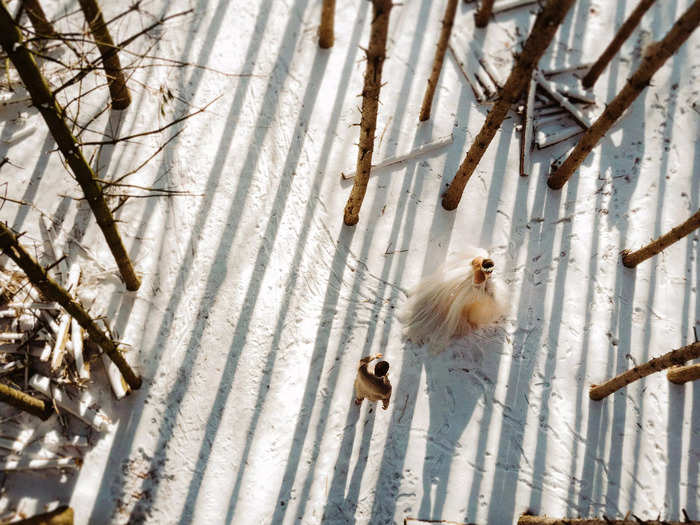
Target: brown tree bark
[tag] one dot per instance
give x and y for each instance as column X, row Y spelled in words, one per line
column 683, row 374
column 482, row 15
column 38, row 19
column 654, row 57
column 62, row 515
column 447, row 23
column 110, row 59
column 546, row 24
column 675, row 357
column 543, row 520
column 19, row 399
column 53, row 291
column 613, row 47
column 325, row 30
column 376, row 54
column 51, row 111
column 632, row 259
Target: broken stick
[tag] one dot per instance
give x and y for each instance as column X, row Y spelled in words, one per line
column 683, row 374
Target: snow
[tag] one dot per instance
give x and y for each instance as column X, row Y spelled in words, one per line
column 257, row 302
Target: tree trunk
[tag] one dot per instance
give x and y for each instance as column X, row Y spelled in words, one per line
column 55, row 292
column 62, row 515
column 447, row 22
column 546, row 24
column 613, row 47
column 38, row 19
column 683, row 374
column 113, row 68
column 376, row 54
column 632, row 259
column 543, row 520
column 325, row 30
column 675, row 357
column 654, row 57
column 45, row 102
column 19, row 399
column 481, row 17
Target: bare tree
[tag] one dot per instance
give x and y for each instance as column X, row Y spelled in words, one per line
column 675, row 357
column 113, row 69
column 655, row 56
column 546, row 24
column 325, row 30
column 613, row 47
column 632, row 259
column 447, row 23
column 376, row 54
column 38, row 19
column 55, row 292
column 481, row 17
column 53, row 115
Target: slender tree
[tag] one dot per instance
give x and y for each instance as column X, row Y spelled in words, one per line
column 675, row 357
column 632, row 259
column 482, row 15
column 325, row 30
column 683, row 374
column 38, row 19
column 546, row 24
column 655, row 56
column 110, row 59
column 55, row 292
column 376, row 54
column 447, row 23
column 62, row 515
column 613, row 47
column 51, row 111
column 543, row 520
column 19, row 399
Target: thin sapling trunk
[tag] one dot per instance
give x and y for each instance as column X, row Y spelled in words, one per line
column 325, row 30
column 613, row 47
column 481, row 17
column 376, row 54
column 447, row 23
column 55, row 292
column 38, row 19
column 53, row 115
column 546, row 25
column 655, row 56
column 632, row 259
column 675, row 357
column 113, row 68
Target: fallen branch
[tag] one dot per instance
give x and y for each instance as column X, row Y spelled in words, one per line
column 418, row 152
column 38, row 464
column 527, row 519
column 526, row 134
column 54, row 292
column 632, row 259
column 552, row 91
column 80, row 408
column 675, row 357
column 469, row 76
column 507, row 5
column 447, row 22
column 545, row 140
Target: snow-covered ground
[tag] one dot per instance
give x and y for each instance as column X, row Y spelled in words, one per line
column 257, row 302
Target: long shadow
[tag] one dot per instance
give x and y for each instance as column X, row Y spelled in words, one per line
column 525, row 342
column 125, row 435
column 35, row 180
column 311, row 207
column 218, row 271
